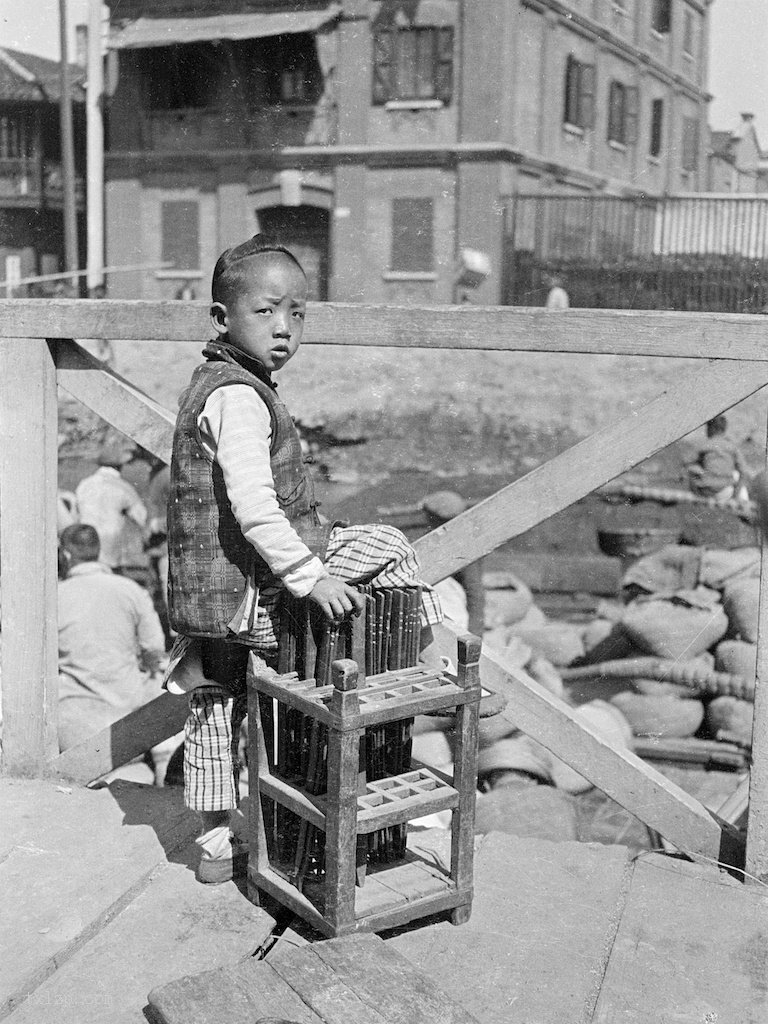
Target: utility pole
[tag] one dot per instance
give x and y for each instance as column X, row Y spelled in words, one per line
column 94, row 99
column 72, row 259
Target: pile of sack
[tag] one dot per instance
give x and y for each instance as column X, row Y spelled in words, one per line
column 676, row 656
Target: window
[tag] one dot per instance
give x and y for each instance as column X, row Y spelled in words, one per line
column 412, row 235
column 657, row 128
column 179, row 77
column 579, row 93
column 413, row 64
column 688, row 32
column 622, row 113
column 690, row 144
column 180, row 227
column 14, row 141
column 293, row 73
column 661, row 16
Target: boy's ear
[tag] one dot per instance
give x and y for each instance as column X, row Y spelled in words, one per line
column 219, row 317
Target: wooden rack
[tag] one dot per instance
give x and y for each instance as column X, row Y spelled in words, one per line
column 350, row 894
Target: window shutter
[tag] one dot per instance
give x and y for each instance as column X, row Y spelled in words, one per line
column 615, row 112
column 570, row 100
column 383, row 45
column 444, row 65
column 587, row 96
column 657, row 127
column 631, row 113
column 180, row 228
column 412, row 235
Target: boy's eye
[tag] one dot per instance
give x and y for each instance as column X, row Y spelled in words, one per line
column 264, row 309
column 299, row 314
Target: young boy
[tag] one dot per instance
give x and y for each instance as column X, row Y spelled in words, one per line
column 243, row 527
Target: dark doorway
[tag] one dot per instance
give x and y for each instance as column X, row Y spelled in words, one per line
column 303, row 230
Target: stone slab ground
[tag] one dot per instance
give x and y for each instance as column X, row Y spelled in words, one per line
column 100, row 907
column 99, row 903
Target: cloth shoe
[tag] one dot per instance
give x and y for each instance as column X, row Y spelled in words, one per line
column 223, row 856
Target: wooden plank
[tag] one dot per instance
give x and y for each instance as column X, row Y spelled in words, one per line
column 248, row 992
column 28, row 472
column 586, row 466
column 412, row 910
column 414, row 879
column 323, row 990
column 375, row 818
column 757, row 817
column 620, row 774
column 383, row 978
column 120, row 742
column 499, row 328
column 115, row 399
column 341, row 802
column 295, row 800
column 288, row 895
column 465, row 744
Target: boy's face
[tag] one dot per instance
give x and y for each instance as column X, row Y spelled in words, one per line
column 266, row 319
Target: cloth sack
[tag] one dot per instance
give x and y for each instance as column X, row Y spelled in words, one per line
column 719, row 567
column 660, row 716
column 737, row 657
column 741, row 599
column 677, row 626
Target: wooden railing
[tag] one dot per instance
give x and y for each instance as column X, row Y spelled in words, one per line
column 36, row 355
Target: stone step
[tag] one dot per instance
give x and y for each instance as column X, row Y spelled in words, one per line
column 70, row 860
column 174, row 927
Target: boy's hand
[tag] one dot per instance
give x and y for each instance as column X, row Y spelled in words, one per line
column 337, row 599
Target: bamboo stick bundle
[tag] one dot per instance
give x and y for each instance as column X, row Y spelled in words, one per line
column 391, row 643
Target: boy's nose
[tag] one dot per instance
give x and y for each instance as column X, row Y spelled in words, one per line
column 282, row 327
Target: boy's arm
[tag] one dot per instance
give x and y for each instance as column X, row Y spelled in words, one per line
column 235, row 427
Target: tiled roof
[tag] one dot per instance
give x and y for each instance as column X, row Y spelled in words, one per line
column 27, row 77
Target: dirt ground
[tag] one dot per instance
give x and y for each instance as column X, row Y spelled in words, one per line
column 394, row 424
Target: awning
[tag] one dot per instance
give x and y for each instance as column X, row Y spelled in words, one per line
column 144, row 32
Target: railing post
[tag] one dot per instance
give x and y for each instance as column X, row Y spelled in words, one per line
column 28, row 470
column 757, row 820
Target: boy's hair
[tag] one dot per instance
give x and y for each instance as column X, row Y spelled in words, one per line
column 230, row 273
column 81, row 541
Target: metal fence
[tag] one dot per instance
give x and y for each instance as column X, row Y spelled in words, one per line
column 696, row 252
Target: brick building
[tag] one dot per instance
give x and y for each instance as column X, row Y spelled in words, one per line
column 735, row 161
column 379, row 137
column 31, row 184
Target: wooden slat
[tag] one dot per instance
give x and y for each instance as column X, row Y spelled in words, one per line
column 579, row 470
column 757, row 828
column 115, row 399
column 28, row 471
column 640, row 789
column 500, row 328
column 121, row 742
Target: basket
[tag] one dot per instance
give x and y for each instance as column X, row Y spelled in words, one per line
column 636, row 541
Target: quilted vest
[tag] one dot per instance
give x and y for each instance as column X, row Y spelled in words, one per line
column 209, row 558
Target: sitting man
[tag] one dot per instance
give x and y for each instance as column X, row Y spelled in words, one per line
column 719, row 466
column 110, row 638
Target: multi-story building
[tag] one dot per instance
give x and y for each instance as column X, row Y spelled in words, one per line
column 380, row 137
column 31, row 184
column 735, row 162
